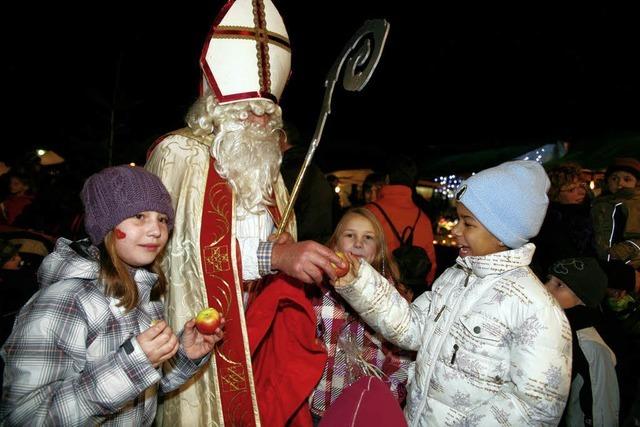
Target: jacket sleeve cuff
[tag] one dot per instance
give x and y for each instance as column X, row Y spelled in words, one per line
column 117, row 379
column 137, row 366
column 180, row 368
column 187, row 364
column 350, row 288
column 264, row 258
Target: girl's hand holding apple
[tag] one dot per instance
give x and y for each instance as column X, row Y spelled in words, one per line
column 202, row 333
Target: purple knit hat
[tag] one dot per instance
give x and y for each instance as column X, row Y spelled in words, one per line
column 117, row 193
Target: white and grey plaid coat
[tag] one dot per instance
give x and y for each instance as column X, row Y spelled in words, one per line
column 64, row 360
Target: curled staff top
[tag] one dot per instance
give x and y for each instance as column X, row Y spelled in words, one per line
column 359, row 59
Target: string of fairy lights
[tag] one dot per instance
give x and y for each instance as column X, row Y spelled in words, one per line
column 447, row 185
column 538, row 155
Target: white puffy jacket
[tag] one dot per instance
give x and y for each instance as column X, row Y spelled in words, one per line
column 494, row 347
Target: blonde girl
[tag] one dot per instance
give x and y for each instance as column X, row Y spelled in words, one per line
column 354, row 350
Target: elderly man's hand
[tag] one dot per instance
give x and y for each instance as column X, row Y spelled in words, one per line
column 283, row 238
column 307, row 261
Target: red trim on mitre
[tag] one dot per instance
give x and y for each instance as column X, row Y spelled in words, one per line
column 219, row 17
column 212, row 30
column 203, row 55
column 224, row 99
column 275, row 37
column 247, row 95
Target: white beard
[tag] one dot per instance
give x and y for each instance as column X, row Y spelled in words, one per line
column 249, row 158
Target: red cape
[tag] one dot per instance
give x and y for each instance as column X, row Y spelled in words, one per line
column 287, row 358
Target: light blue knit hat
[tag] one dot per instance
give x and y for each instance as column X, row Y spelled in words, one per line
column 510, row 200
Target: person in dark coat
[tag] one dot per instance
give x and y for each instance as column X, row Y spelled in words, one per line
column 567, row 230
column 314, row 206
column 16, row 286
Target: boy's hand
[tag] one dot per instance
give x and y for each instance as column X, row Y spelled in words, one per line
column 197, row 345
column 350, row 277
column 159, row 343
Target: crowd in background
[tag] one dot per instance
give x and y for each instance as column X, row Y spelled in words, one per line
column 40, row 204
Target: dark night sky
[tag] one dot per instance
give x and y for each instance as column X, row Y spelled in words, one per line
column 479, row 77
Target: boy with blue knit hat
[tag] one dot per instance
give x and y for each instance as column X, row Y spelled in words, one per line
column 494, row 347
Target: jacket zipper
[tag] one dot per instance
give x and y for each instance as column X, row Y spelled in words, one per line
column 455, row 351
column 613, row 229
column 466, row 282
column 455, row 346
column 454, row 308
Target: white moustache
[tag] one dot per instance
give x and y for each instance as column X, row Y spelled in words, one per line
column 249, row 159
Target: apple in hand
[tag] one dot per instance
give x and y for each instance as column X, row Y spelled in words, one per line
column 207, row 321
column 341, row 271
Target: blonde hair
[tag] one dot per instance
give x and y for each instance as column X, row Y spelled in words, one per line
column 116, row 277
column 382, row 262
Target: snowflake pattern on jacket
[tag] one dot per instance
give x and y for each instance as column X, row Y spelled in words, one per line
column 494, row 347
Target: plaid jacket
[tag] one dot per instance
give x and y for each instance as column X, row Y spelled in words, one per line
column 64, row 360
column 345, row 335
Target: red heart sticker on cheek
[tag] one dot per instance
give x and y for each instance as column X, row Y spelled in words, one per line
column 120, row 234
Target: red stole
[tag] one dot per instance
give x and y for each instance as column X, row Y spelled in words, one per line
column 281, row 324
column 221, row 264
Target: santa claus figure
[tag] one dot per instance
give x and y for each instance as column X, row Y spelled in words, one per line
column 222, row 172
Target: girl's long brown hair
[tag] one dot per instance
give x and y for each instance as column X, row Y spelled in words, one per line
column 382, row 262
column 115, row 275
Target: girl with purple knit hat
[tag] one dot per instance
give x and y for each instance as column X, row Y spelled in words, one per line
column 90, row 346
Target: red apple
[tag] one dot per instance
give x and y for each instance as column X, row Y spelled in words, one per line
column 341, row 271
column 207, row 321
